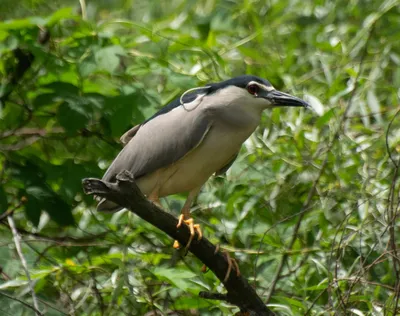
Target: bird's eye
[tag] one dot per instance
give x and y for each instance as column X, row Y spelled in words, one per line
column 253, row 89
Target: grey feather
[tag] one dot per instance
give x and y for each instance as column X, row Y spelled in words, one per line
column 160, row 142
column 186, row 98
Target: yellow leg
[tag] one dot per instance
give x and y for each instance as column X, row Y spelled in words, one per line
column 185, row 218
column 192, row 227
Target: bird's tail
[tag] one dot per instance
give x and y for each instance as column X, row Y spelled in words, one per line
column 108, row 206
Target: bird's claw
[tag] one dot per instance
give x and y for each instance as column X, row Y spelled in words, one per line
column 192, row 227
column 231, row 263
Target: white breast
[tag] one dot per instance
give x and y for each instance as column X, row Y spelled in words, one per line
column 193, row 170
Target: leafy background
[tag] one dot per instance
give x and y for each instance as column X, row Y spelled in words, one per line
column 310, row 208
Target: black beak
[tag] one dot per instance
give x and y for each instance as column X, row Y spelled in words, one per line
column 279, row 98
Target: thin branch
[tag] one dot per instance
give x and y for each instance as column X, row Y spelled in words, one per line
column 95, row 289
column 125, row 193
column 387, row 138
column 22, row 302
column 314, row 302
column 83, row 9
column 29, row 131
column 17, row 241
column 12, row 210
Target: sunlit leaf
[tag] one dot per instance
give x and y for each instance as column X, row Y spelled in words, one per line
column 109, row 58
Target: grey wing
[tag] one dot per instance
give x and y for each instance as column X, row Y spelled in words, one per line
column 227, row 166
column 160, row 142
column 190, row 99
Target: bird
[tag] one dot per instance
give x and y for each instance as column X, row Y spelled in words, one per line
column 195, row 136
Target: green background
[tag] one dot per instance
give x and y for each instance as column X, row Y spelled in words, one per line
column 309, row 209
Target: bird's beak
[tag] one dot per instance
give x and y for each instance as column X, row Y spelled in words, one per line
column 278, row 98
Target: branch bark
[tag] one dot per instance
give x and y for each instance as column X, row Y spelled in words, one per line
column 126, row 193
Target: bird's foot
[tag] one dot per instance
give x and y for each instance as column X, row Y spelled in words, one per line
column 232, row 263
column 192, row 227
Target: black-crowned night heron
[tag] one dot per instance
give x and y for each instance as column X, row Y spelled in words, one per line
column 193, row 137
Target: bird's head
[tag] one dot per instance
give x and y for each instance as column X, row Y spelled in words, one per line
column 252, row 91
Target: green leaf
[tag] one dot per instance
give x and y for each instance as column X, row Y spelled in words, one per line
column 33, row 209
column 324, row 119
column 63, row 13
column 176, row 276
column 185, row 303
column 72, row 116
column 125, row 112
column 45, row 99
column 22, row 23
column 59, row 211
column 173, row 273
column 321, row 286
column 13, row 283
column 63, row 89
column 108, row 58
column 42, row 198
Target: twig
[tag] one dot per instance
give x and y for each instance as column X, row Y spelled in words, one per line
column 125, row 193
column 387, row 139
column 95, row 289
column 12, row 210
column 22, row 302
column 83, row 9
column 314, row 302
column 17, row 241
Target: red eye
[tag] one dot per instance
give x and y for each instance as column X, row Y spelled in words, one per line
column 253, row 89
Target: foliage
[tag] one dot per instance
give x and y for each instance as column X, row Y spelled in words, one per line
column 310, row 208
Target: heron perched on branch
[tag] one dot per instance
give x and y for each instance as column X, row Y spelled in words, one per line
column 195, row 136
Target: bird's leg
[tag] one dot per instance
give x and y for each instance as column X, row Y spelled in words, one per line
column 153, row 197
column 231, row 263
column 185, row 218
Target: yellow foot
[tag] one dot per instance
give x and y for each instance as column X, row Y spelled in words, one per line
column 192, row 227
column 232, row 263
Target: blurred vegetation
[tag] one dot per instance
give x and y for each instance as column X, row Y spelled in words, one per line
column 309, row 209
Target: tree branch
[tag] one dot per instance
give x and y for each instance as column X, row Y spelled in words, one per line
column 17, row 240
column 126, row 193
